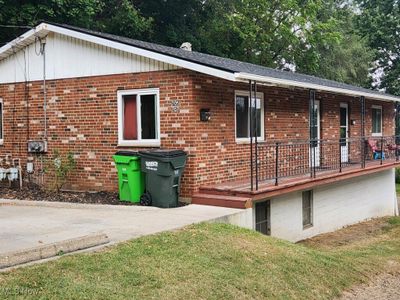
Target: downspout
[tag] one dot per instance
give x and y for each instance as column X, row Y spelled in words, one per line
column 43, row 52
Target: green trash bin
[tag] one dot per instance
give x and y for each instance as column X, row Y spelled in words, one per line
column 131, row 179
column 163, row 170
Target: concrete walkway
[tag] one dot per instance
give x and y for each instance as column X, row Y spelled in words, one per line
column 27, row 224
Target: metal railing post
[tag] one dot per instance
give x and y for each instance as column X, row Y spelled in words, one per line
column 382, row 150
column 340, row 156
column 251, row 140
column 363, row 153
column 276, row 163
column 314, row 158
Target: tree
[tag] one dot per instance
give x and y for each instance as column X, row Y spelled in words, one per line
column 348, row 58
column 379, row 22
column 118, row 16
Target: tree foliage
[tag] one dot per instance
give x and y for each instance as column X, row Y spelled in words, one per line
column 117, row 16
column 338, row 40
column 379, row 22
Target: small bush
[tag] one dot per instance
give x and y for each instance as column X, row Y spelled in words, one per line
column 59, row 167
column 398, row 175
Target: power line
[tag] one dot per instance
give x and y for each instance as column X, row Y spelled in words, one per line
column 16, row 26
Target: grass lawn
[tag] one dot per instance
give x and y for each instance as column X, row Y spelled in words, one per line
column 207, row 261
column 398, row 189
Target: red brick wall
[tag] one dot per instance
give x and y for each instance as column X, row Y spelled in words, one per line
column 82, row 118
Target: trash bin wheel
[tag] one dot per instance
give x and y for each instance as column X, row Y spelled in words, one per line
column 145, row 199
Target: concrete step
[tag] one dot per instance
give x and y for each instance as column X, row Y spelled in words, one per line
column 221, row 200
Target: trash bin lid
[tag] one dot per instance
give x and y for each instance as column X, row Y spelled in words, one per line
column 166, row 153
column 126, row 153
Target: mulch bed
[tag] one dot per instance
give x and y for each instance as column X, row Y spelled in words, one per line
column 35, row 193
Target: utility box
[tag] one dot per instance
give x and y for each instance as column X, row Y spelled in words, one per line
column 37, row 146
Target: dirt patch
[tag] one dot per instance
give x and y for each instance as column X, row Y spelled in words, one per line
column 383, row 286
column 348, row 235
column 35, row 193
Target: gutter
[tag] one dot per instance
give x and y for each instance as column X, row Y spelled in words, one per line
column 245, row 77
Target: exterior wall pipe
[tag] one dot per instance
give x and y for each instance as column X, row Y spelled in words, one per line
column 43, row 50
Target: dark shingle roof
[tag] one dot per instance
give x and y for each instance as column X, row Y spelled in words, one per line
column 221, row 63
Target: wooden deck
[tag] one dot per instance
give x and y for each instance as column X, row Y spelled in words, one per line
column 238, row 194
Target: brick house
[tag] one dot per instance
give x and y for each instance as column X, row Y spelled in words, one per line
column 305, row 156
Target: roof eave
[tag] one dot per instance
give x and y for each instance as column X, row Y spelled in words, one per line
column 239, row 76
column 23, row 40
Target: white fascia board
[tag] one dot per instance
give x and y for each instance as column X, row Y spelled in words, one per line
column 141, row 52
column 246, row 77
column 8, row 48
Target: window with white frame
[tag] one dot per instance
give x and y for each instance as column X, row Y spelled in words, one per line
column 307, row 199
column 1, row 122
column 138, row 118
column 242, row 115
column 376, row 120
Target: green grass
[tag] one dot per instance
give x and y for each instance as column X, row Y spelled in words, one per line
column 398, row 189
column 206, row 261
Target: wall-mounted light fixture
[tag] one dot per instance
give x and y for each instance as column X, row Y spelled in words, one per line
column 205, row 115
column 353, row 122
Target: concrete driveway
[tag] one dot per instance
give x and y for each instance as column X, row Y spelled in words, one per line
column 27, row 224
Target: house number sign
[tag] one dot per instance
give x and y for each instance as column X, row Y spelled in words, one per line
column 175, row 105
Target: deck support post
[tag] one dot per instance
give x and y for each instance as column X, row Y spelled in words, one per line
column 340, row 155
column 256, row 131
column 312, row 139
column 276, row 163
column 397, row 129
column 251, row 136
column 363, row 154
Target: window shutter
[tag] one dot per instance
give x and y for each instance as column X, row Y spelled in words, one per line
column 130, row 118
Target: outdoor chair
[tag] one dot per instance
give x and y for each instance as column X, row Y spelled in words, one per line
column 376, row 151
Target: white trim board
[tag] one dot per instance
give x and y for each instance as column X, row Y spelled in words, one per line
column 278, row 81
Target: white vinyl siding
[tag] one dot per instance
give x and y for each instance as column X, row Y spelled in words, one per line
column 68, row 57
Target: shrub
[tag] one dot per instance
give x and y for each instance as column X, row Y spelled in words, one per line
column 59, row 167
column 398, row 175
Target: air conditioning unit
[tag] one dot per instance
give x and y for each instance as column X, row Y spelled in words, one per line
column 37, row 146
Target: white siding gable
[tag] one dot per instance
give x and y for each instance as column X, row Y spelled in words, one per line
column 68, row 57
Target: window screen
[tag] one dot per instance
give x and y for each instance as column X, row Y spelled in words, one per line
column 307, row 209
column 243, row 116
column 263, row 217
column 148, row 116
column 376, row 120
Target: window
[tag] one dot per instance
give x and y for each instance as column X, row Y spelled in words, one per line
column 262, row 217
column 242, row 111
column 1, row 121
column 307, row 209
column 138, row 118
column 376, row 120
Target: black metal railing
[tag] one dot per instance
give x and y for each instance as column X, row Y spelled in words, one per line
column 310, row 158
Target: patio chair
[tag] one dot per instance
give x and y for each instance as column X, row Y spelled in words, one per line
column 376, row 151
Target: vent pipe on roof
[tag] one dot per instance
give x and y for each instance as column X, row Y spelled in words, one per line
column 186, row 46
